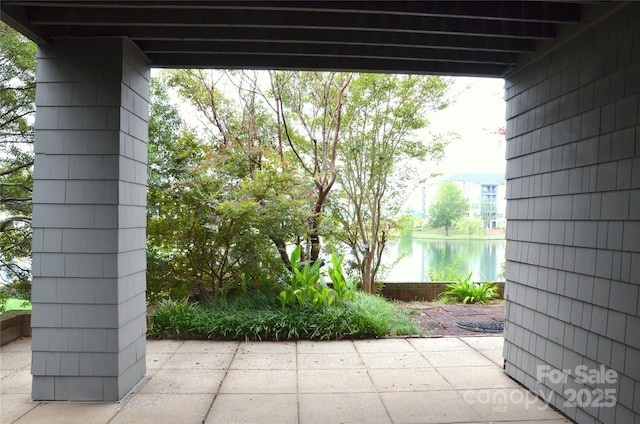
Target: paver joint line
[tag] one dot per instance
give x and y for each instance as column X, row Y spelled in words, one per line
column 215, row 395
column 371, row 389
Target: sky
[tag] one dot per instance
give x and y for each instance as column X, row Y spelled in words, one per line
column 479, row 110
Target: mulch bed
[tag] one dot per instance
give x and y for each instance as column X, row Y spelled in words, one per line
column 440, row 320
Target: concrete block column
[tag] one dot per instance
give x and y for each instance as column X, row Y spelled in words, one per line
column 89, row 199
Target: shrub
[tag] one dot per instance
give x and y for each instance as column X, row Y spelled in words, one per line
column 405, row 223
column 466, row 291
column 471, row 226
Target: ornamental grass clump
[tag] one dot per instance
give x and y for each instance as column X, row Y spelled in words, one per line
column 466, row 291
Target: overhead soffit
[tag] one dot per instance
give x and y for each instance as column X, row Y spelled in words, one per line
column 481, row 38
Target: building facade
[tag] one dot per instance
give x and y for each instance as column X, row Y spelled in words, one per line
column 486, row 194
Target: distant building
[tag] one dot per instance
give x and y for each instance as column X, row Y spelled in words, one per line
column 486, row 194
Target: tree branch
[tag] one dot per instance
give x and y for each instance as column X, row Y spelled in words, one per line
column 4, row 224
column 23, row 186
column 14, row 199
column 16, row 168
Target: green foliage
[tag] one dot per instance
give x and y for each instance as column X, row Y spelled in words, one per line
column 448, row 207
column 225, row 205
column 177, row 317
column 307, row 289
column 219, row 213
column 13, row 304
column 471, row 226
column 405, row 222
column 446, row 271
column 311, row 106
column 503, row 269
column 344, row 287
column 17, row 106
column 467, row 291
column 446, row 300
column 260, row 317
column 379, row 157
column 303, row 289
column 17, row 86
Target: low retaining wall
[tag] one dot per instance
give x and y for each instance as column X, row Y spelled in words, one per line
column 427, row 291
column 14, row 324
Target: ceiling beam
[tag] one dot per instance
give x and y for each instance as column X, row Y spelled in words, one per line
column 308, row 35
column 327, row 50
column 289, row 19
column 352, row 64
column 527, row 11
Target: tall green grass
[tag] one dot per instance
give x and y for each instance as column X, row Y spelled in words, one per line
column 258, row 317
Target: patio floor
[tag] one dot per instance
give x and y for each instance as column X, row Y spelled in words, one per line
column 415, row 380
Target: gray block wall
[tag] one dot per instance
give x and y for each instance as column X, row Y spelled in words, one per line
column 89, row 199
column 573, row 233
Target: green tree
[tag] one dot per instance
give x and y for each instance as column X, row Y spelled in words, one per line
column 346, row 141
column 295, row 118
column 216, row 204
column 381, row 159
column 405, row 223
column 448, row 207
column 17, row 107
column 310, row 108
column 170, row 157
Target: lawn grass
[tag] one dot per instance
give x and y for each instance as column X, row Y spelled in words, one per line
column 454, row 234
column 258, row 317
column 17, row 305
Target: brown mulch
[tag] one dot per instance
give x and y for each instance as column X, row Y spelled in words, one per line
column 437, row 319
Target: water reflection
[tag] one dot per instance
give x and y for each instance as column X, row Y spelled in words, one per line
column 482, row 257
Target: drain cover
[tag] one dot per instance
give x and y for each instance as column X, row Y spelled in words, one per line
column 482, row 326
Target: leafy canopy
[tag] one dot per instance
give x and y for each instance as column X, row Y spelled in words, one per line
column 448, row 206
column 382, row 158
column 17, row 107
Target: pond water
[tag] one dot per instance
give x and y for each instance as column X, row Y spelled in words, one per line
column 482, row 257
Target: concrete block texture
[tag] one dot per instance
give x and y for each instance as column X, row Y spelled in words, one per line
column 578, row 303
column 89, row 220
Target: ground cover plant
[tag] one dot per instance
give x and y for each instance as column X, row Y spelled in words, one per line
column 466, row 291
column 261, row 317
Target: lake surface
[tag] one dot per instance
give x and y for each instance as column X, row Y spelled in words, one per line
column 482, row 257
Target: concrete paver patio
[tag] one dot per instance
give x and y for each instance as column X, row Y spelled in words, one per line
column 437, row 380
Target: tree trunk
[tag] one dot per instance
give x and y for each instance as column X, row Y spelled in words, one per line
column 314, row 240
column 282, row 250
column 367, row 277
column 314, row 231
column 446, row 231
